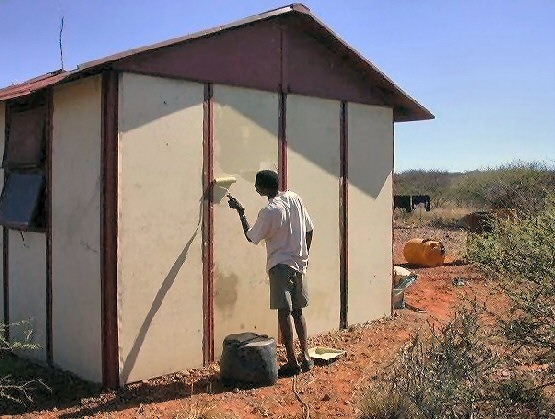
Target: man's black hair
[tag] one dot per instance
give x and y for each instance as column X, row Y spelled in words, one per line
column 267, row 179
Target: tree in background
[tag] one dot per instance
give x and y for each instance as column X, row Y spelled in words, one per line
column 435, row 183
column 522, row 186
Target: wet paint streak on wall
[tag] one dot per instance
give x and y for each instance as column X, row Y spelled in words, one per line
column 159, row 226
column 2, row 142
column 246, row 141
column 313, row 139
column 76, row 154
column 27, row 261
column 370, row 154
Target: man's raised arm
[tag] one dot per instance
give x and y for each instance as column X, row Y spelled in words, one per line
column 236, row 205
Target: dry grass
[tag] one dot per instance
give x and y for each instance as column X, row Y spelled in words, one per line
column 447, row 216
column 204, row 410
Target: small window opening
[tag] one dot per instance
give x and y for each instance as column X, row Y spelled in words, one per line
column 22, row 202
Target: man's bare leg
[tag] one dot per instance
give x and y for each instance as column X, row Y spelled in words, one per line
column 300, row 327
column 286, row 328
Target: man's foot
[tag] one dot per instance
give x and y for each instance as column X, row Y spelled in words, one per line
column 307, row 364
column 289, row 370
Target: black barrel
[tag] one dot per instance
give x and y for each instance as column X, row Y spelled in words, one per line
column 248, row 358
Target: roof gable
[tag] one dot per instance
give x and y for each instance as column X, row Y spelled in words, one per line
column 286, row 49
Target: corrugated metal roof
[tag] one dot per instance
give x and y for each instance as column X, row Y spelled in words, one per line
column 33, row 85
column 358, row 60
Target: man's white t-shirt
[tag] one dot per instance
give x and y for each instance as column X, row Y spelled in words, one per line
column 283, row 224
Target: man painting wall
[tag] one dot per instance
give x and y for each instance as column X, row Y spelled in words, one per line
column 286, row 227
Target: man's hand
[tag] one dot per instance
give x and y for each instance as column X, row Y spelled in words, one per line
column 235, row 204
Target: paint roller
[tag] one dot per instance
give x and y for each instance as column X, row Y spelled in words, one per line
column 221, row 187
column 225, row 181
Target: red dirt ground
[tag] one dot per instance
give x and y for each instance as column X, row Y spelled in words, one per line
column 330, row 391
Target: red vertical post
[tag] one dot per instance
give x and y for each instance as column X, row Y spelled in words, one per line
column 208, row 225
column 343, row 217
column 109, row 228
column 282, row 112
column 282, row 141
column 282, row 118
column 5, row 246
column 48, row 220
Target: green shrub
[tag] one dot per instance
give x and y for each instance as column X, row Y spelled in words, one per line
column 445, row 374
column 519, row 185
column 15, row 389
column 453, row 372
column 522, row 186
column 521, row 257
column 435, row 183
column 17, row 345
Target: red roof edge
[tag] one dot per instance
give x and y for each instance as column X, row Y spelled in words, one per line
column 33, row 85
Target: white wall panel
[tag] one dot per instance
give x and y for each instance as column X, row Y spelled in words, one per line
column 370, row 153
column 159, row 224
column 313, row 139
column 245, row 131
column 27, row 290
column 76, row 261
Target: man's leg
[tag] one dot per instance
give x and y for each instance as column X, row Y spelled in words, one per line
column 300, row 327
column 286, row 328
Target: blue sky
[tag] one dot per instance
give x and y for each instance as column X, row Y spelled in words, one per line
column 485, row 68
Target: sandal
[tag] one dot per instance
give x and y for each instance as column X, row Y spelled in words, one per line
column 288, row 370
column 307, row 364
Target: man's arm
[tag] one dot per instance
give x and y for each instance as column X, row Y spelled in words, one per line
column 309, row 239
column 244, row 223
column 235, row 204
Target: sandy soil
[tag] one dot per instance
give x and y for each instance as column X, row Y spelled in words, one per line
column 329, row 391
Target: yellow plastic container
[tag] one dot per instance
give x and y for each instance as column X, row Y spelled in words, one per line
column 424, row 252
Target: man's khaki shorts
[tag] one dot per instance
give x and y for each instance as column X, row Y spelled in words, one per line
column 287, row 288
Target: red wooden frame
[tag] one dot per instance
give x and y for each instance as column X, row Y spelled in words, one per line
column 208, row 226
column 343, row 217
column 109, row 229
column 48, row 222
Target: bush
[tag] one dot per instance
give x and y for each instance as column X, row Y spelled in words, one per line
column 453, row 372
column 521, row 257
column 522, row 186
column 15, row 389
column 519, row 185
column 445, row 374
column 435, row 183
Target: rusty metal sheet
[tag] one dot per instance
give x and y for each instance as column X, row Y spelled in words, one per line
column 25, row 142
column 33, row 85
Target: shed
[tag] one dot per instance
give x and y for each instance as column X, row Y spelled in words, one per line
column 116, row 245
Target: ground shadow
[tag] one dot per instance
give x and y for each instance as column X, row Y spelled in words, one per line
column 82, row 398
column 60, row 388
column 171, row 387
column 456, row 262
column 65, row 391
